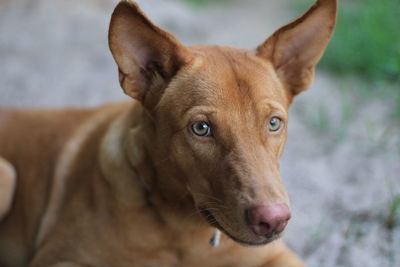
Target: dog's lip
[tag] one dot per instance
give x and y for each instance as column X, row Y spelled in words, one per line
column 207, row 215
column 211, row 220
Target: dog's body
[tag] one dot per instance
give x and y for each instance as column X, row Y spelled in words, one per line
column 125, row 184
column 98, row 226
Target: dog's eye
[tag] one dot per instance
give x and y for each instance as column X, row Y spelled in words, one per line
column 274, row 124
column 201, row 128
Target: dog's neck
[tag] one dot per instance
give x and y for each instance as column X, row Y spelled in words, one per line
column 129, row 161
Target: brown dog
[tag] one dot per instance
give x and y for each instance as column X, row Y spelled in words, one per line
column 128, row 184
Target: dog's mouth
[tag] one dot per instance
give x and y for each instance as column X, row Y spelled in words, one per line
column 211, row 220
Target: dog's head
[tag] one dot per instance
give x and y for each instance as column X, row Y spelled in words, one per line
column 220, row 114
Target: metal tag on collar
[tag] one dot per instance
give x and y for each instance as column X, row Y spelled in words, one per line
column 215, row 239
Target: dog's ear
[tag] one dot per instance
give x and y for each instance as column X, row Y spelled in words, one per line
column 296, row 48
column 147, row 57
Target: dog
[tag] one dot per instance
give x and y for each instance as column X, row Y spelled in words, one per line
column 195, row 155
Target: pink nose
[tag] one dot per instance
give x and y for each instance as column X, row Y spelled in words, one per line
column 268, row 219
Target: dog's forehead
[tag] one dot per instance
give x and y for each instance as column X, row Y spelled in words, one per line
column 227, row 77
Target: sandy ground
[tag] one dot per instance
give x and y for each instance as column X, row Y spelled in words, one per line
column 342, row 162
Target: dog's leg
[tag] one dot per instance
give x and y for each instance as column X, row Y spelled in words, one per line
column 8, row 182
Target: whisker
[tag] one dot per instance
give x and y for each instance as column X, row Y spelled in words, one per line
column 207, row 196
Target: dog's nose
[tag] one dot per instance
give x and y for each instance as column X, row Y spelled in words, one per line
column 268, row 219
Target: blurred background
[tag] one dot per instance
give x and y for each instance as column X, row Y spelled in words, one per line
column 342, row 162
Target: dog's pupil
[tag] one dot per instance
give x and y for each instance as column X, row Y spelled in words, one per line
column 201, row 128
column 274, row 123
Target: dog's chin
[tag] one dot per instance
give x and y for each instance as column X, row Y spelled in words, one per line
column 261, row 241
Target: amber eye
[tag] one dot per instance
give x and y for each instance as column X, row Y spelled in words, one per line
column 201, row 128
column 274, row 124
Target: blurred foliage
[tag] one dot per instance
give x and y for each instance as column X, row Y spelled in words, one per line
column 394, row 213
column 366, row 40
column 196, row 2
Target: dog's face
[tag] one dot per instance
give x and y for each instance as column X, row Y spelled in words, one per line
column 226, row 131
column 220, row 113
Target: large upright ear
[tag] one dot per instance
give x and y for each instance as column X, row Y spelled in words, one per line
column 147, row 57
column 296, row 48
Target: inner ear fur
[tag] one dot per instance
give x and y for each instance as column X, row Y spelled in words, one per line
column 147, row 57
column 296, row 48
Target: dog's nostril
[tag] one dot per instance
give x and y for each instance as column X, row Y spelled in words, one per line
column 264, row 227
column 268, row 219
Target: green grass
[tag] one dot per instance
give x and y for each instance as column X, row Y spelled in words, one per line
column 393, row 218
column 364, row 53
column 366, row 41
column 196, row 2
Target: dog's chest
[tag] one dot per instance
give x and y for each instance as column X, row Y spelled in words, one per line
column 185, row 250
